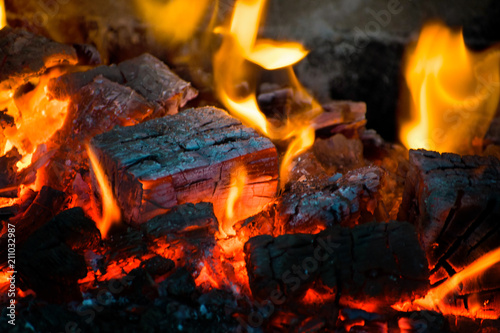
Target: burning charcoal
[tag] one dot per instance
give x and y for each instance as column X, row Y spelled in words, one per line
column 157, row 83
column 188, row 220
column 26, row 55
column 145, row 75
column 307, row 168
column 188, row 157
column 179, row 284
column 453, row 202
column 344, row 117
column 50, row 261
column 98, row 107
column 352, row 198
column 422, row 321
column 338, row 153
column 158, row 266
column 341, row 259
column 8, row 172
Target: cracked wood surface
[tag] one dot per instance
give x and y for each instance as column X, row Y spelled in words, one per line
column 188, row 157
column 342, row 260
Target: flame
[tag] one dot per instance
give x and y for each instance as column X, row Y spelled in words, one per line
column 240, row 46
column 174, row 20
column 435, row 298
column 3, row 15
column 238, row 181
column 36, row 118
column 453, row 92
column 110, row 210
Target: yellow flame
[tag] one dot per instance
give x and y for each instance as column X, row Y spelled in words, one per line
column 238, row 181
column 240, row 46
column 453, row 92
column 174, row 20
column 3, row 16
column 435, row 298
column 110, row 210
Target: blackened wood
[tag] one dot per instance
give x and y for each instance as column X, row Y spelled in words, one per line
column 340, row 199
column 51, row 260
column 454, row 202
column 188, row 157
column 8, row 172
column 25, row 55
column 379, row 263
column 145, row 75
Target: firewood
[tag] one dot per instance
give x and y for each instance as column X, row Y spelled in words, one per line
column 338, row 200
column 188, row 157
column 344, row 117
column 8, row 172
column 51, row 260
column 453, row 202
column 145, row 75
column 26, row 55
column 341, row 259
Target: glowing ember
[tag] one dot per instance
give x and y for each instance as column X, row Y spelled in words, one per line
column 238, row 181
column 110, row 211
column 175, row 21
column 206, row 279
column 436, row 297
column 453, row 92
column 3, row 18
column 239, row 47
column 36, row 116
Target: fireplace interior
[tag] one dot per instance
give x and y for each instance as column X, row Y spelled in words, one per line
column 250, row 166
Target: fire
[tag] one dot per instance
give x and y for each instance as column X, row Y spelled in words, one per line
column 3, row 16
column 238, row 181
column 36, row 117
column 241, row 46
column 453, row 92
column 435, row 298
column 175, row 20
column 110, row 210
column 206, row 279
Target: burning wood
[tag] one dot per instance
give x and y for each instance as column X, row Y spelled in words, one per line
column 183, row 158
column 341, row 259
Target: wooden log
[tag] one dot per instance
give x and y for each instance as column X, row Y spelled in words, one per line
column 26, row 55
column 345, row 200
column 380, row 263
column 454, row 203
column 51, row 260
column 188, row 157
column 145, row 75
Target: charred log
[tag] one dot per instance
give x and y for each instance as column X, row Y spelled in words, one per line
column 26, row 55
column 51, row 260
column 341, row 259
column 183, row 158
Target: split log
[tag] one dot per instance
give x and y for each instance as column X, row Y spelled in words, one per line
column 51, row 260
column 26, row 55
column 344, row 200
column 453, row 202
column 188, row 157
column 145, row 75
column 341, row 259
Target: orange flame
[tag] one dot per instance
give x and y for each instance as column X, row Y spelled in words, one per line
column 453, row 92
column 240, row 46
column 36, row 116
column 174, row 20
column 3, row 16
column 435, row 298
column 238, row 181
column 110, row 210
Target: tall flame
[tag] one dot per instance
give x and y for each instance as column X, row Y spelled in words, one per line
column 241, row 46
column 453, row 92
column 3, row 16
column 435, row 298
column 238, row 181
column 110, row 210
